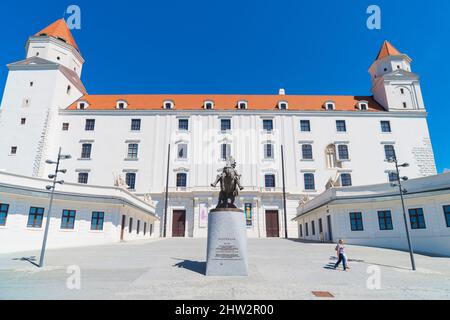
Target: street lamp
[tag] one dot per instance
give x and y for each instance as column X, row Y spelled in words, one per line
column 52, row 188
column 402, row 192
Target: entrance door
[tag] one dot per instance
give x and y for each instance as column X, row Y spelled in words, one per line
column 178, row 223
column 122, row 227
column 272, row 224
column 330, row 235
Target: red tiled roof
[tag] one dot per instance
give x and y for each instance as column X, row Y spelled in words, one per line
column 387, row 49
column 59, row 29
column 226, row 102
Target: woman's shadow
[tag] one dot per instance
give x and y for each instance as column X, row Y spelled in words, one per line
column 195, row 266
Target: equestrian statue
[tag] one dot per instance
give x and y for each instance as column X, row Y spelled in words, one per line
column 230, row 184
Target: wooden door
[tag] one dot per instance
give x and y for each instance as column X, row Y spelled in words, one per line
column 178, row 223
column 272, row 224
column 122, row 227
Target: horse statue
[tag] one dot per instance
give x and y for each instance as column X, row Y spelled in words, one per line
column 229, row 185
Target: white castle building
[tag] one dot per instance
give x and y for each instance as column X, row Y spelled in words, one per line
column 331, row 140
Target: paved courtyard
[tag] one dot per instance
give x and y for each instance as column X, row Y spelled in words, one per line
column 173, row 269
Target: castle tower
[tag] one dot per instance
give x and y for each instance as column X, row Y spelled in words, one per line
column 394, row 85
column 36, row 89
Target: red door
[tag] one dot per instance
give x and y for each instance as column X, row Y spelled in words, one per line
column 178, row 223
column 122, row 227
column 272, row 224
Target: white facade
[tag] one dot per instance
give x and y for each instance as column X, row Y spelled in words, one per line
column 20, row 232
column 55, row 117
column 428, row 196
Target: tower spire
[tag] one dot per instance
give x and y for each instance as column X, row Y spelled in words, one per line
column 59, row 30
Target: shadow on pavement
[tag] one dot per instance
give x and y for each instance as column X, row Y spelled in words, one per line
column 195, row 266
column 31, row 260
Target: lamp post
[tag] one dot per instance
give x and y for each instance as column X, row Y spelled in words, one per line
column 52, row 188
column 402, row 192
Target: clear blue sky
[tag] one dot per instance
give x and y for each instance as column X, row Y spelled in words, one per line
column 207, row 46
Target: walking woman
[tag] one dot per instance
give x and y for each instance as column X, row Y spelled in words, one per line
column 341, row 255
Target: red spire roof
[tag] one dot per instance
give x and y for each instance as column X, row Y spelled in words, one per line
column 59, row 29
column 387, row 49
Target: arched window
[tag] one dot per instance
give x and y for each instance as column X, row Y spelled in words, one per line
column 168, row 104
column 283, row 105
column 242, row 105
column 330, row 105
column 121, row 104
column 208, row 105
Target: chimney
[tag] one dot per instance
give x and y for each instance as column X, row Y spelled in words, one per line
column 282, row 92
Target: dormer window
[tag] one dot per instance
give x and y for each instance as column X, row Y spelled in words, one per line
column 330, row 105
column 82, row 105
column 283, row 105
column 168, row 104
column 62, row 39
column 208, row 105
column 363, row 105
column 242, row 105
column 121, row 104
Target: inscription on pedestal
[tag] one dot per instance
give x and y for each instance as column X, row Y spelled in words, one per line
column 227, row 250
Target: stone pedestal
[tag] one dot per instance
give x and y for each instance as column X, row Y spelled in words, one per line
column 227, row 243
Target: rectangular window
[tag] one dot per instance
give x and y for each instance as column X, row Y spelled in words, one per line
column 181, row 180
column 130, row 180
column 3, row 213
column 13, row 150
column 300, row 230
column 346, row 180
column 145, row 228
column 86, row 151
column 133, row 151
column 269, row 180
column 130, row 225
column 356, row 222
column 385, row 220
column 341, row 126
column 389, row 151
column 268, row 125
column 135, row 124
column 343, row 152
column 305, row 126
column 68, row 219
column 65, row 126
column 447, row 215
column 97, row 220
column 83, row 177
column 225, row 151
column 35, row 217
column 385, row 126
column 309, row 181
column 417, row 218
column 320, row 226
column 307, row 153
column 23, row 121
column 183, row 124
column 313, row 227
column 90, row 125
column 268, row 151
column 138, row 227
column 306, row 229
column 225, row 124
